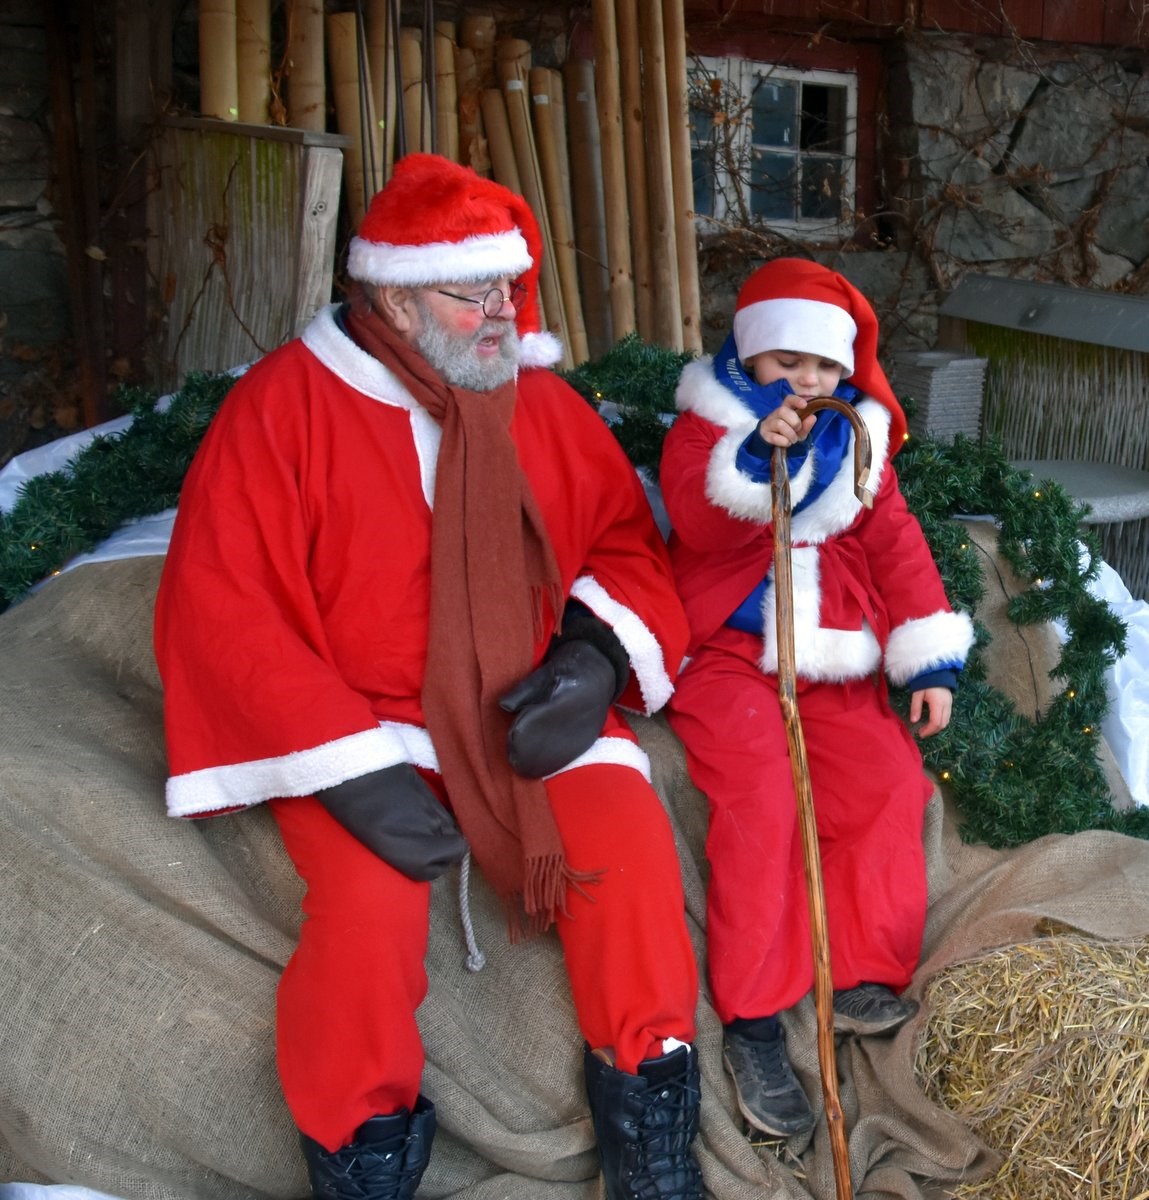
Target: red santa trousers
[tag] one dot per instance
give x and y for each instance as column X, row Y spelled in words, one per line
column 348, row 1045
column 869, row 794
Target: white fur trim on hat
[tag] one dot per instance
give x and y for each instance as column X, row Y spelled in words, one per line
column 473, row 259
column 802, row 326
column 540, row 349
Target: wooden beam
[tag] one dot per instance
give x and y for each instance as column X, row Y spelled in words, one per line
column 682, row 175
column 609, row 104
column 665, row 296
column 126, row 220
column 634, row 134
column 87, row 324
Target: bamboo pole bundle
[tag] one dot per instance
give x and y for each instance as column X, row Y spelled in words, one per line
column 306, row 81
column 634, row 145
column 666, row 305
column 608, row 104
column 384, row 80
column 678, row 108
column 513, row 64
column 477, row 34
column 218, row 72
column 446, row 92
column 502, row 157
column 558, row 105
column 557, row 96
column 417, row 116
column 588, row 205
column 473, row 150
column 558, row 210
column 354, row 112
column 499, row 141
column 253, row 59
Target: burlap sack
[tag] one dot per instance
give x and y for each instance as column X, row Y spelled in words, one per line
column 139, row 957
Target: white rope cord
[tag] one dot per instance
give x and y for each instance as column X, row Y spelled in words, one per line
column 476, row 959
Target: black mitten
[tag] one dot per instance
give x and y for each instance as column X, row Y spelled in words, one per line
column 562, row 705
column 397, row 816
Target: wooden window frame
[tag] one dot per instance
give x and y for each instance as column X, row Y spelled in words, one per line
column 736, row 76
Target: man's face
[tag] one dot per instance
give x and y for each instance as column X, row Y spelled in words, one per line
column 467, row 349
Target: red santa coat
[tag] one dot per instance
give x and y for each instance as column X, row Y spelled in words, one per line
column 866, row 590
column 292, row 617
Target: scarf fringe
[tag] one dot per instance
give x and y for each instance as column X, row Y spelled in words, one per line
column 547, row 598
column 546, row 886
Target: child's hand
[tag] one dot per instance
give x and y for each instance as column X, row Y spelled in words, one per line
column 938, row 702
column 785, row 425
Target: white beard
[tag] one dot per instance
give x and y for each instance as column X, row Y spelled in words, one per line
column 455, row 358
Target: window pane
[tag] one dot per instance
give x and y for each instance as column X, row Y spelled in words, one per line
column 821, row 188
column 774, row 113
column 702, row 148
column 702, row 169
column 701, row 124
column 772, row 185
column 823, row 124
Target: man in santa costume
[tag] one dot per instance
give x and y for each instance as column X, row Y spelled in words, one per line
column 867, row 596
column 411, row 575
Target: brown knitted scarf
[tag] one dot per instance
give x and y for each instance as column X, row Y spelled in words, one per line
column 493, row 579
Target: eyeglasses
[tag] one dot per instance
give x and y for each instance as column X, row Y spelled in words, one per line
column 493, row 299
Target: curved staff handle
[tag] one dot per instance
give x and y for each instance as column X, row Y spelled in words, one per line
column 787, row 678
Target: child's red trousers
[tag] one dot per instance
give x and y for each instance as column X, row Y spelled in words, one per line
column 870, row 794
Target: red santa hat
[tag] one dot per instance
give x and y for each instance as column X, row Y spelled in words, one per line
column 436, row 222
column 794, row 304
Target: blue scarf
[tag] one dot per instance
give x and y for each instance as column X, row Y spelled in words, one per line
column 828, row 442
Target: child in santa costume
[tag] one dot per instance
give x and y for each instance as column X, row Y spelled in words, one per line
column 867, row 597
column 411, row 574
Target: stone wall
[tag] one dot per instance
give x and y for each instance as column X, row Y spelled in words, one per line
column 1000, row 157
column 1014, row 160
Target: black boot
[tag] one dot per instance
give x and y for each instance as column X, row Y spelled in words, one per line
column 385, row 1161
column 645, row 1124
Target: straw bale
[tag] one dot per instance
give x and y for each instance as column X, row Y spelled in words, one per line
column 1043, row 1049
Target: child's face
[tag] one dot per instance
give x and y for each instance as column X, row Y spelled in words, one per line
column 809, row 375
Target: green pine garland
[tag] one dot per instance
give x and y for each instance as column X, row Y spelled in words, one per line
column 640, row 379
column 114, row 479
column 1014, row 779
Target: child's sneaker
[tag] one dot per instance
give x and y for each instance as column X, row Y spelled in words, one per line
column 769, row 1094
column 869, row 1009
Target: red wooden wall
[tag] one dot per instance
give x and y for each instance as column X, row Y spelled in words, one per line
column 1093, row 22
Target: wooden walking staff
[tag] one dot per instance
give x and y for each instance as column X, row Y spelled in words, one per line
column 787, row 674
